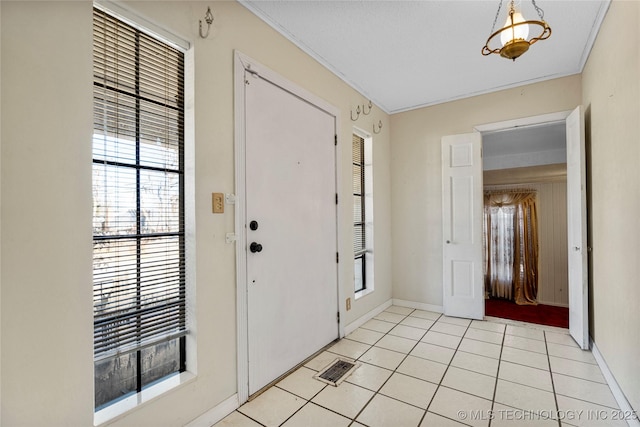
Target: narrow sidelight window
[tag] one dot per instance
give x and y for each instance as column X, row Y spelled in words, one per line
column 359, row 218
column 138, row 210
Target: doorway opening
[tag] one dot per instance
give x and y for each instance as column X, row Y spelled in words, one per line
column 529, row 161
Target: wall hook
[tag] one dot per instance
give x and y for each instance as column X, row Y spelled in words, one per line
column 357, row 114
column 379, row 127
column 364, row 109
column 208, row 17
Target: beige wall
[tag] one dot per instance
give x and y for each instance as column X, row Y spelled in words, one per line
column 0, row 226
column 416, row 183
column 611, row 96
column 46, row 307
column 46, row 214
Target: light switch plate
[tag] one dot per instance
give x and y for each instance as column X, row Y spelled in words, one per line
column 218, row 202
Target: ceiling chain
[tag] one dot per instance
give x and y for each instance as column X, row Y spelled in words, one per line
column 540, row 11
column 493, row 27
column 495, row 20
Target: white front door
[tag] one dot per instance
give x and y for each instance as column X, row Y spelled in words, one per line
column 462, row 207
column 577, row 229
column 290, row 233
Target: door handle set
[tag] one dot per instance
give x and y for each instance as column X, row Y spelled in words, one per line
column 254, row 247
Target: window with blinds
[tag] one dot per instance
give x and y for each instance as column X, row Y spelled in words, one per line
column 359, row 237
column 138, row 210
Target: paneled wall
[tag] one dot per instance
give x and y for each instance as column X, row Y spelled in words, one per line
column 552, row 221
column 551, row 185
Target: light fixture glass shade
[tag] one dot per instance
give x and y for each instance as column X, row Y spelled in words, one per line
column 515, row 33
column 514, row 36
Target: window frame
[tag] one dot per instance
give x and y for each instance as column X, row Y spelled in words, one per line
column 366, row 255
column 152, row 389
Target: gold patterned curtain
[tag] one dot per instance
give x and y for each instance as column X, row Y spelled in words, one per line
column 511, row 245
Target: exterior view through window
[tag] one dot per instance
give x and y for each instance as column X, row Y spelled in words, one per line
column 138, row 210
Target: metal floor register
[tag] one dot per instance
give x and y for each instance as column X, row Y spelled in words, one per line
column 336, row 372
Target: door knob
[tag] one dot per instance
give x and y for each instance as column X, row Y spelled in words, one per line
column 255, row 247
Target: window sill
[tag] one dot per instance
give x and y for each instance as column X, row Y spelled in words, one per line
column 118, row 409
column 362, row 293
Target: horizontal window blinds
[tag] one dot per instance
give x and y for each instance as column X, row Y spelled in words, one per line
column 359, row 244
column 138, row 207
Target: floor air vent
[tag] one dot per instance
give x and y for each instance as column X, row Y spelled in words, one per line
column 336, row 372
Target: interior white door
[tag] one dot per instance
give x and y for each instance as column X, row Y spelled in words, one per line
column 577, row 229
column 292, row 245
column 462, row 207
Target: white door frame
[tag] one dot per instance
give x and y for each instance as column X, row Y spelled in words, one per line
column 244, row 63
column 530, row 121
column 550, row 118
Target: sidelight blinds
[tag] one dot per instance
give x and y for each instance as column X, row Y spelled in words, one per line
column 359, row 242
column 138, row 206
column 359, row 245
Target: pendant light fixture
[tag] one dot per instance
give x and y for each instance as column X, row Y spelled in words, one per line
column 514, row 36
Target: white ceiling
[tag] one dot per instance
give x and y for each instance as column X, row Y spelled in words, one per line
column 409, row 54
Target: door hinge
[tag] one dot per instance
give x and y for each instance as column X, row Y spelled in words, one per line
column 335, row 140
column 337, row 257
column 336, row 198
column 338, row 317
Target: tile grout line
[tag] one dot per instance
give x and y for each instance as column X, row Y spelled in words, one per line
column 394, row 370
column 580, row 378
column 445, row 372
column 574, row 360
column 307, row 401
column 495, row 384
column 553, row 384
column 441, row 378
column 245, row 415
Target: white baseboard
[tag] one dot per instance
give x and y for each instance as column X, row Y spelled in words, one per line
column 618, row 394
column 364, row 319
column 418, row 305
column 216, row 413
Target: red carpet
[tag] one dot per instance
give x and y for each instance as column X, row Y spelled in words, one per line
column 540, row 314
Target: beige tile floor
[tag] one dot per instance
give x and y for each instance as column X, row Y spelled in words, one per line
column 420, row 368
